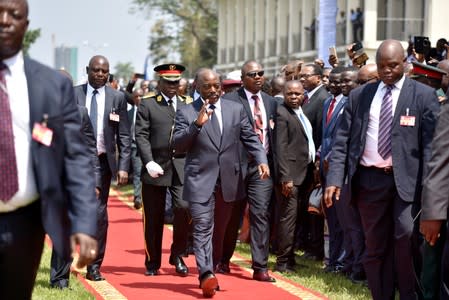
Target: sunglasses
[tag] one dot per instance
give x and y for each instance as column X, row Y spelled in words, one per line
column 253, row 74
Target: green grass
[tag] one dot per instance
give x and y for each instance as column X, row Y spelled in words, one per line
column 311, row 275
column 43, row 291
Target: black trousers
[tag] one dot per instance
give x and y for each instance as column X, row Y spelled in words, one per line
column 387, row 222
column 153, row 198
column 21, row 244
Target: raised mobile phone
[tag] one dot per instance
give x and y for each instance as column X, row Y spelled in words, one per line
column 332, row 51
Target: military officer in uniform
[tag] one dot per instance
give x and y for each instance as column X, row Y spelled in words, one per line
column 162, row 169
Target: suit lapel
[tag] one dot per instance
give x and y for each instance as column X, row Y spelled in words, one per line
column 36, row 107
column 215, row 140
column 404, row 96
column 82, row 98
column 297, row 121
column 336, row 113
column 108, row 103
column 245, row 103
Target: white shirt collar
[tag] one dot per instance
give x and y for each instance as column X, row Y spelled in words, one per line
column 15, row 63
column 397, row 85
column 249, row 94
column 90, row 89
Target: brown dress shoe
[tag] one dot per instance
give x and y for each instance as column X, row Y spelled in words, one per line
column 263, row 276
column 209, row 285
column 222, row 268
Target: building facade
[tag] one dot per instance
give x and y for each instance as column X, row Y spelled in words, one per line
column 274, row 32
column 67, row 58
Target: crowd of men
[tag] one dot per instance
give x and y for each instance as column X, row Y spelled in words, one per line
column 371, row 138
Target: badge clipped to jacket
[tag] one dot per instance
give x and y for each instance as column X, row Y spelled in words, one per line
column 113, row 116
column 41, row 133
column 407, row 120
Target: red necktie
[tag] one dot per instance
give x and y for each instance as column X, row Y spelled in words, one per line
column 330, row 110
column 305, row 101
column 258, row 123
column 9, row 182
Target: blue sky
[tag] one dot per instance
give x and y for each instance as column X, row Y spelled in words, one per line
column 94, row 26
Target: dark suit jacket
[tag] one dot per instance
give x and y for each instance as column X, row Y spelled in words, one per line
column 410, row 145
column 314, row 112
column 207, row 160
column 63, row 169
column 90, row 139
column 270, row 107
column 116, row 134
column 292, row 145
column 435, row 198
column 154, row 129
column 330, row 129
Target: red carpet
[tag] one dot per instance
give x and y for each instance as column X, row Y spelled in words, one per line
column 124, row 269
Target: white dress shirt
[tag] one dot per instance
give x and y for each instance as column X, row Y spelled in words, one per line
column 101, row 99
column 16, row 84
column 174, row 100
column 370, row 156
column 305, row 123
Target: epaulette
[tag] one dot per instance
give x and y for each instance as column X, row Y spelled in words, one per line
column 186, row 99
column 148, row 96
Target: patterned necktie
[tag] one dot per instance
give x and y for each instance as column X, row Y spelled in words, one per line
column 9, row 181
column 385, row 122
column 94, row 111
column 330, row 110
column 258, row 123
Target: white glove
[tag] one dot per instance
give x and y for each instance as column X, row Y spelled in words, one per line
column 154, row 169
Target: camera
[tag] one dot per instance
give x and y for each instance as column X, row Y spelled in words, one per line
column 357, row 48
column 421, row 44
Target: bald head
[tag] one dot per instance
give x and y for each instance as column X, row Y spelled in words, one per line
column 390, row 59
column 367, row 74
column 277, row 85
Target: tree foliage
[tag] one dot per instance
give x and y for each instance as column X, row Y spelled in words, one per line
column 123, row 70
column 185, row 29
column 30, row 37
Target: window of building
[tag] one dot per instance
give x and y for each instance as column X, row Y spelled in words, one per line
column 399, row 19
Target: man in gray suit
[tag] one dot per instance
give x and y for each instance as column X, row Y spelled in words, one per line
column 109, row 117
column 209, row 131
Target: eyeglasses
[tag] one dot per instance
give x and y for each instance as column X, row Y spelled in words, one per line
column 253, row 74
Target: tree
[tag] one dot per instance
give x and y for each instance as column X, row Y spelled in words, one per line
column 30, row 37
column 123, row 70
column 187, row 27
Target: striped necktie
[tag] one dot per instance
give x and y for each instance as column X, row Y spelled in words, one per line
column 385, row 122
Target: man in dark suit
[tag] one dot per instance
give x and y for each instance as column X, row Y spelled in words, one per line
column 312, row 225
column 60, row 268
column 42, row 164
column 163, row 170
column 261, row 111
column 109, row 117
column 294, row 141
column 381, row 150
column 435, row 199
column 209, row 131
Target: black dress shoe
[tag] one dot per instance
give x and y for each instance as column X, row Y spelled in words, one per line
column 209, row 284
column 179, row 264
column 222, row 268
column 94, row 275
column 151, row 272
column 284, row 268
column 263, row 276
column 61, row 285
column 137, row 203
column 358, row 277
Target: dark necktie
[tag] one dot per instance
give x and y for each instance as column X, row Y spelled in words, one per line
column 9, row 181
column 258, row 123
column 170, row 105
column 215, row 125
column 94, row 111
column 385, row 122
column 306, row 99
column 330, row 110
